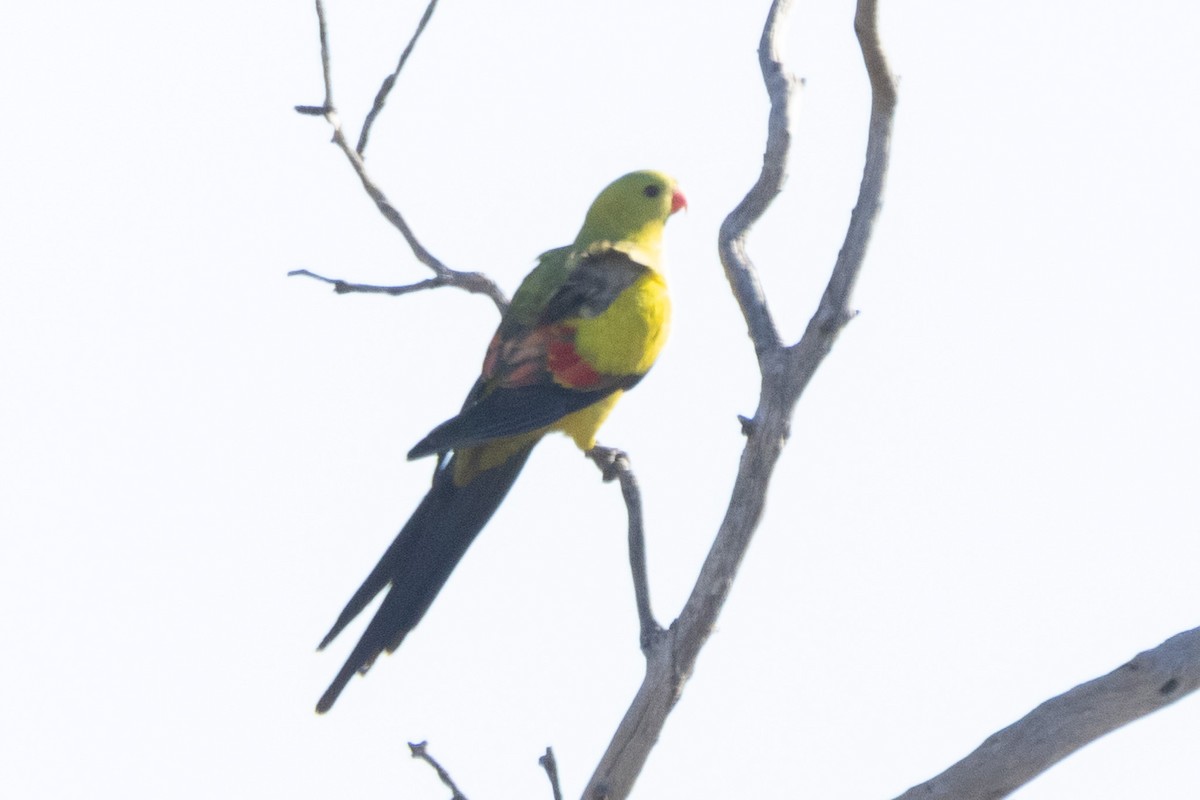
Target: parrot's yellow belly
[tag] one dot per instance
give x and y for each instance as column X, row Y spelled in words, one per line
column 624, row 340
column 628, row 336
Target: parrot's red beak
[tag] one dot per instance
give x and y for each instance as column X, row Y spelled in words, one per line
column 678, row 201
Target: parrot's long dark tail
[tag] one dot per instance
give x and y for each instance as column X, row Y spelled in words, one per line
column 418, row 563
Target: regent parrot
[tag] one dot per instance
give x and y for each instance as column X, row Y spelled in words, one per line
column 585, row 325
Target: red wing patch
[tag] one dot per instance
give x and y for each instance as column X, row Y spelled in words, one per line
column 519, row 361
column 566, row 365
column 547, row 351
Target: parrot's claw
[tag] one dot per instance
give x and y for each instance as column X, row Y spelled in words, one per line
column 611, row 461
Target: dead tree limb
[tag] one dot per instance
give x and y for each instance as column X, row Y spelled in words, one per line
column 786, row 371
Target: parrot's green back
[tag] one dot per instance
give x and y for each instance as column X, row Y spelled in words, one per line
column 535, row 291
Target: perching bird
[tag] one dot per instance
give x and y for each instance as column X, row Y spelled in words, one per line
column 585, row 325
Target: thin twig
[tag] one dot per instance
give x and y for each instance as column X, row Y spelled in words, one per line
column 443, row 275
column 345, row 287
column 325, row 55
column 419, row 751
column 834, row 311
column 614, row 465
column 390, row 80
column 739, row 270
column 551, row 766
column 475, row 282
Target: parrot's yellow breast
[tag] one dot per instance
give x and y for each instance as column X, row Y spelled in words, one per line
column 623, row 340
column 627, row 337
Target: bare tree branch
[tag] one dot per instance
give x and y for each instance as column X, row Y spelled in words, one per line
column 1058, row 727
column 731, row 241
column 474, row 282
column 549, row 764
column 834, row 311
column 444, row 276
column 785, row 373
column 390, row 80
column 614, row 465
column 418, row 750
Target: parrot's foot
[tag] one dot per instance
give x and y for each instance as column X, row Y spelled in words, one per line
column 611, row 461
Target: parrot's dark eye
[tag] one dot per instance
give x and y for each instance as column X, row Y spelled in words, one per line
column 652, row 190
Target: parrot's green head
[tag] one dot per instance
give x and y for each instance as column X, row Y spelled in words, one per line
column 633, row 209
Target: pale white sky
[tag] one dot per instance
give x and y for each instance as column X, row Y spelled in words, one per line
column 990, row 494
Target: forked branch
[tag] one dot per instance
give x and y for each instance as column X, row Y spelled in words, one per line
column 443, row 275
column 785, row 373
